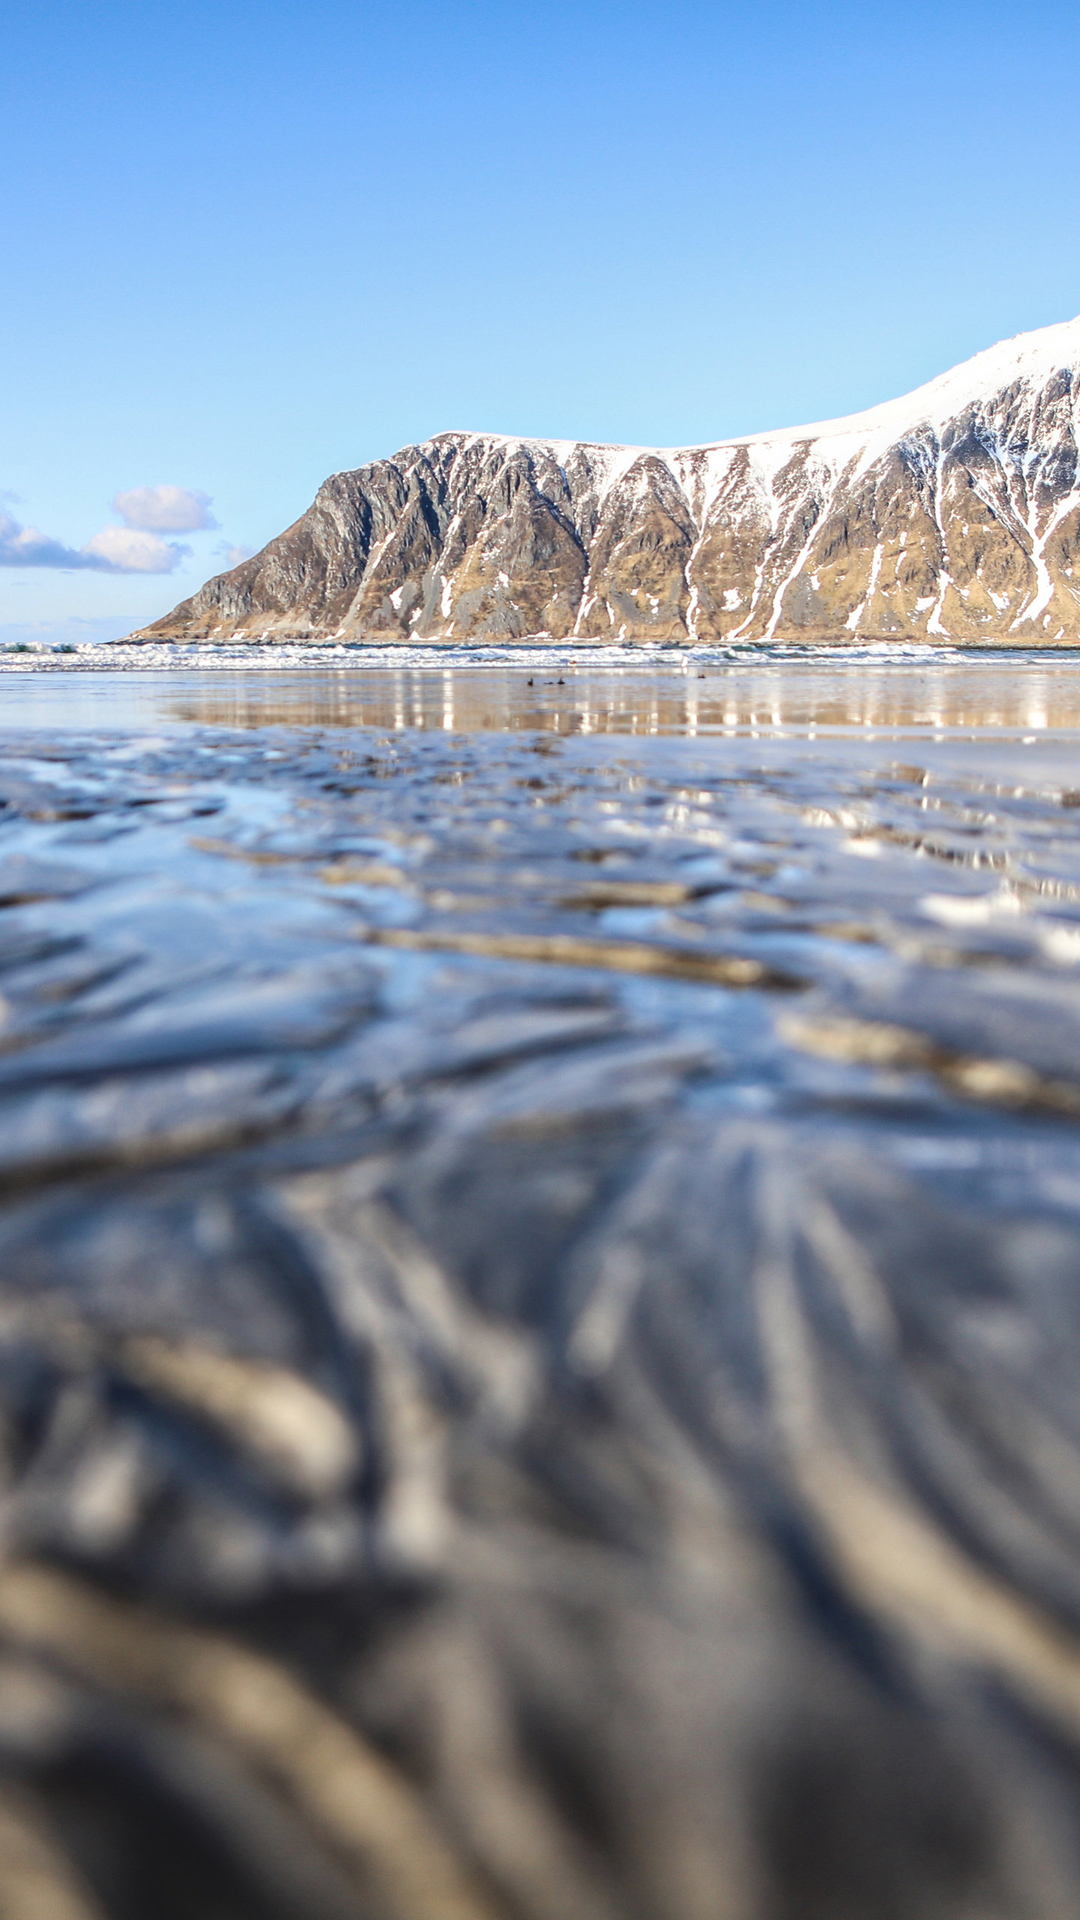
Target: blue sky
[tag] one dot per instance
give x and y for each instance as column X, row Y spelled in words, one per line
column 244, row 245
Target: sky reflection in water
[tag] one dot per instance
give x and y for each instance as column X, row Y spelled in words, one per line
column 1014, row 694
column 644, row 1170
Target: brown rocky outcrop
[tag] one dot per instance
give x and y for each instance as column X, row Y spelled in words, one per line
column 953, row 513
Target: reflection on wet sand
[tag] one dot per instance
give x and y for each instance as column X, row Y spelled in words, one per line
column 788, row 696
column 540, row 1295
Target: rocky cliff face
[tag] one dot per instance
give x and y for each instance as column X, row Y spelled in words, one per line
column 952, row 513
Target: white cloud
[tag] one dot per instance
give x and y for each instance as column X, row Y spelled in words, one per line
column 165, row 510
column 113, row 550
column 233, row 556
column 26, row 547
column 130, row 550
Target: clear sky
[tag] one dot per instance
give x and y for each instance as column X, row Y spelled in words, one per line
column 245, row 243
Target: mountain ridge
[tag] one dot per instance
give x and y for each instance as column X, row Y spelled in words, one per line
column 952, row 512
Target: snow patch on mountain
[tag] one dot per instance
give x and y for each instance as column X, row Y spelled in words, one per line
column 950, row 513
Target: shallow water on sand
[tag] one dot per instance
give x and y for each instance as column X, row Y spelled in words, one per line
column 656, row 1159
column 693, row 694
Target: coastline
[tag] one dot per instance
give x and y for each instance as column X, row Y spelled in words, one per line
column 142, row 656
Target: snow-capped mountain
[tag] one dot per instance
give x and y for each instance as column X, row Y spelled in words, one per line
column 952, row 513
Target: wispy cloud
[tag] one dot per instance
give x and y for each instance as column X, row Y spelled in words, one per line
column 113, row 550
column 232, row 556
column 165, row 510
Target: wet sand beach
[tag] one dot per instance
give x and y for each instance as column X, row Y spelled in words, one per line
column 540, row 1288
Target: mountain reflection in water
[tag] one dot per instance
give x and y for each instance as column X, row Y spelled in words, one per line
column 540, row 1292
column 788, row 696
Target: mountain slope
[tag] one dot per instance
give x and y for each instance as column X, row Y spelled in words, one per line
column 953, row 512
